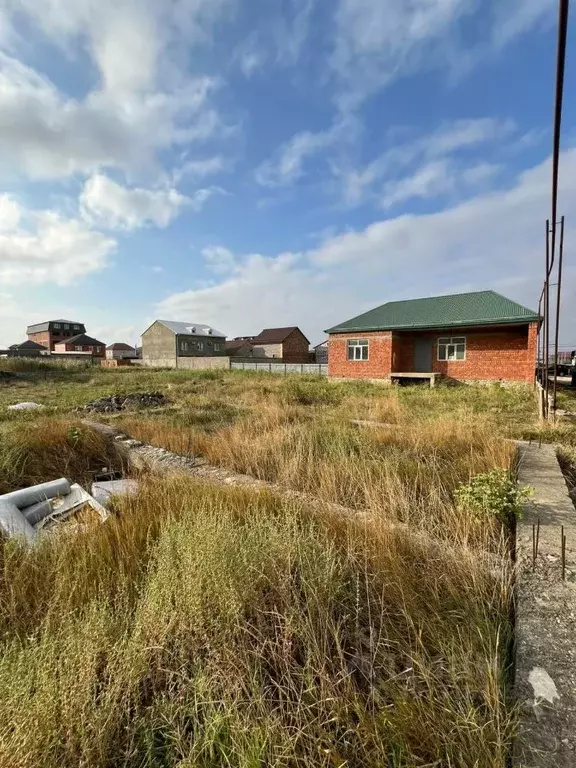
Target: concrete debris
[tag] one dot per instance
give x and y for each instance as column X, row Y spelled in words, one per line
column 135, row 400
column 543, row 686
column 103, row 491
column 24, row 407
column 26, row 512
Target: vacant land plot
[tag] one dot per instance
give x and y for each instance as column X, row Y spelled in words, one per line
column 206, row 626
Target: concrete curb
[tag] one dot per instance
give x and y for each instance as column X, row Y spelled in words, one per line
column 545, row 679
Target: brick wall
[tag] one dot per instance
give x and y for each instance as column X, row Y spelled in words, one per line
column 378, row 365
column 64, row 347
column 295, row 348
column 42, row 337
column 492, row 354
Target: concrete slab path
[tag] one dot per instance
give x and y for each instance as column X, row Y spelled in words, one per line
column 546, row 616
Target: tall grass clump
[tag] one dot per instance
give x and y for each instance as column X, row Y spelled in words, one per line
column 49, row 448
column 221, row 627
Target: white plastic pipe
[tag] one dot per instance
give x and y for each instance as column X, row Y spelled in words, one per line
column 28, row 496
column 13, row 523
column 37, row 512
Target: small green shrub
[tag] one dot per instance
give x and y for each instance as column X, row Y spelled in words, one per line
column 495, row 493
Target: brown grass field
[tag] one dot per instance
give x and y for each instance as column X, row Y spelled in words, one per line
column 226, row 626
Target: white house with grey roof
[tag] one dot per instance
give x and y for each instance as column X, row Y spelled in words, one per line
column 169, row 341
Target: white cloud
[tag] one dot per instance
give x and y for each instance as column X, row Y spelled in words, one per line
column 377, row 42
column 107, row 204
column 44, row 247
column 427, row 154
column 430, row 180
column 142, row 102
column 10, row 213
column 197, row 169
column 287, row 166
column 491, row 241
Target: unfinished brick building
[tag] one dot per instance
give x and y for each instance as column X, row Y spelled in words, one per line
column 480, row 336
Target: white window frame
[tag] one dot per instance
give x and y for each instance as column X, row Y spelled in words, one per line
column 355, row 350
column 446, row 344
column 217, row 347
column 66, row 326
column 184, row 346
column 79, row 349
column 56, row 325
column 200, row 346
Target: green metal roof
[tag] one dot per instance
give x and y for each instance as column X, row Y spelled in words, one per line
column 459, row 309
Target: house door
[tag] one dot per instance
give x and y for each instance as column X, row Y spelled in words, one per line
column 422, row 355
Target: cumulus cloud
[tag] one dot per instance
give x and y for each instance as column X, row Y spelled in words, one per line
column 107, row 204
column 43, row 247
column 491, row 241
column 10, row 213
column 142, row 102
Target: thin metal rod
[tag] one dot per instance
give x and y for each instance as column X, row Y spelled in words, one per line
column 537, row 535
column 560, row 65
column 546, row 318
column 563, row 547
column 539, row 361
column 556, row 329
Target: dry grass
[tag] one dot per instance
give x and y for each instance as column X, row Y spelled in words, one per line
column 224, row 628
column 205, row 627
column 48, row 448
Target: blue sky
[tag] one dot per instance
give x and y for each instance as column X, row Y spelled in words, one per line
column 273, row 162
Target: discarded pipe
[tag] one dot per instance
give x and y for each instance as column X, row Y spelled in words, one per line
column 37, row 512
column 28, row 496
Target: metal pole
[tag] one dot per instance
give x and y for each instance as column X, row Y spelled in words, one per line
column 556, row 330
column 546, row 318
column 560, row 62
column 539, row 363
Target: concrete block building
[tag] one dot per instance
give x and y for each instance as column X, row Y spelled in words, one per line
column 166, row 342
column 479, row 336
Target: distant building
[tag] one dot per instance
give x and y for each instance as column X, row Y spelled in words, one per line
column 169, row 340
column 27, row 349
column 82, row 343
column 239, row 348
column 53, row 332
column 321, row 352
column 120, row 351
column 288, row 345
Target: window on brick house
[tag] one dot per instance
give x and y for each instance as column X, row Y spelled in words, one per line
column 78, row 349
column 217, row 347
column 357, row 349
column 56, row 325
column 200, row 345
column 452, row 348
column 184, row 346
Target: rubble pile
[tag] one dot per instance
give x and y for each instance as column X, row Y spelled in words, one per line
column 133, row 401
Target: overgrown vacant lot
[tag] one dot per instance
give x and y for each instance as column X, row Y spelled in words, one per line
column 206, row 626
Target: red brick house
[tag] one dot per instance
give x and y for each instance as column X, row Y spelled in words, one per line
column 54, row 332
column 288, row 345
column 480, row 336
column 82, row 343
